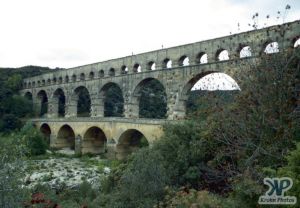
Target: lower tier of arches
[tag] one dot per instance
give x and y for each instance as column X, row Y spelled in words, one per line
column 114, row 139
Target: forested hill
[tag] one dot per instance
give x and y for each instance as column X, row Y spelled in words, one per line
column 12, row 106
column 25, row 71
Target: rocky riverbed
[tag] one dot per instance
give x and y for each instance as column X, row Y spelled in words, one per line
column 65, row 171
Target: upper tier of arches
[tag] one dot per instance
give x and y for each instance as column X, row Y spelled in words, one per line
column 243, row 45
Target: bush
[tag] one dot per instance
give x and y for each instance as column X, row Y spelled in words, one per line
column 142, row 183
column 34, row 140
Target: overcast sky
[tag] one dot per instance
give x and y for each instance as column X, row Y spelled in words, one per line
column 68, row 33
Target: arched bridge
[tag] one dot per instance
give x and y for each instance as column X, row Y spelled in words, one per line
column 177, row 69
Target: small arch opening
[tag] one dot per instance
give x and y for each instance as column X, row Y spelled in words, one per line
column 167, row 64
column 202, row 58
column 91, row 75
column 54, row 80
column 67, row 79
column 184, row 61
column 271, row 48
column 151, row 66
column 43, row 82
column 94, row 141
column 111, row 72
column 222, row 55
column 101, row 73
column 74, row 78
column 48, row 81
column 82, row 77
column 245, row 52
column 124, row 69
column 60, row 80
column 137, row 68
column 297, row 43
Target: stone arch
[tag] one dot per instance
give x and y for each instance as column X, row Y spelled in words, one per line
column 60, row 80
column 270, row 47
column 74, row 78
column 112, row 72
column 222, row 55
column 54, row 80
column 59, row 102
column 67, row 79
column 94, row 141
column 151, row 66
column 202, row 58
column 149, row 92
column 130, row 141
column 91, row 75
column 124, row 69
column 48, row 81
column 137, row 68
column 112, row 100
column 245, row 51
column 101, row 73
column 46, row 131
column 185, row 92
column 82, row 77
column 83, row 101
column 296, row 42
column 65, row 137
column 184, row 61
column 167, row 63
column 33, row 84
column 43, row 102
column 43, row 82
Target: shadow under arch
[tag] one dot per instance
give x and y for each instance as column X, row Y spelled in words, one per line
column 65, row 138
column 46, row 131
column 82, row 97
column 60, row 100
column 94, row 141
column 150, row 99
column 130, row 141
column 43, row 97
column 112, row 99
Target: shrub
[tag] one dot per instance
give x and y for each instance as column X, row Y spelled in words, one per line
column 34, row 140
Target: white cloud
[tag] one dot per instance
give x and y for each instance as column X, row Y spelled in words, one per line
column 67, row 33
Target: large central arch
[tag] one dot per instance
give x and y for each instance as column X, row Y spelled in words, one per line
column 83, row 99
column 150, row 99
column 112, row 100
column 65, row 137
column 94, row 141
column 130, row 141
column 211, row 84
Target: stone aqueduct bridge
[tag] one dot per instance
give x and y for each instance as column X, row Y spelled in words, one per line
column 131, row 73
